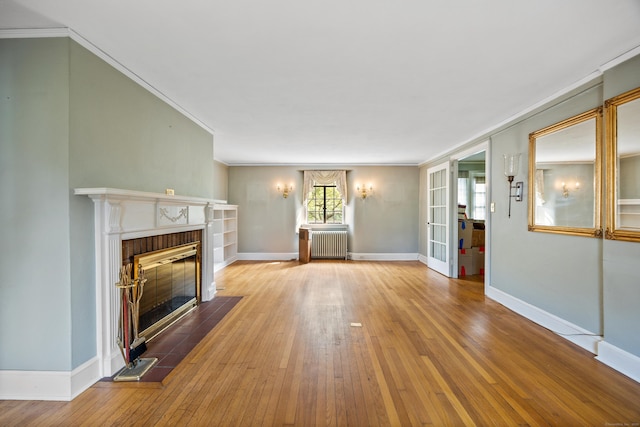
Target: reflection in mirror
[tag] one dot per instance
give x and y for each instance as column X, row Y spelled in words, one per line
column 623, row 179
column 564, row 172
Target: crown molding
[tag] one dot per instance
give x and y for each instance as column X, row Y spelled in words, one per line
column 32, row 33
column 78, row 38
column 620, row 59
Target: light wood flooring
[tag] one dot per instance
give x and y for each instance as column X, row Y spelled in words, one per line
column 429, row 351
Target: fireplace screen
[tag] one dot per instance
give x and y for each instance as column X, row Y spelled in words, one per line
column 173, row 281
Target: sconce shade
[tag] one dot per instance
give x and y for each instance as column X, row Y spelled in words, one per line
column 511, row 164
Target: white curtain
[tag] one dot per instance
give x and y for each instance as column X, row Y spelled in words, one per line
column 311, row 178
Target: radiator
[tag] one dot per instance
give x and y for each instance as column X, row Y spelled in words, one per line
column 329, row 244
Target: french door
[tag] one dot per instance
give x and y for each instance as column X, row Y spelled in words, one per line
column 438, row 218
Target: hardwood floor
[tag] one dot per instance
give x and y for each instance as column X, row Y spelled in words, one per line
column 429, row 351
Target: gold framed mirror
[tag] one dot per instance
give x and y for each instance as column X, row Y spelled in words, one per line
column 623, row 166
column 565, row 175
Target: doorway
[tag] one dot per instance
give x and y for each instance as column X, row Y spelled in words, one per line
column 471, row 201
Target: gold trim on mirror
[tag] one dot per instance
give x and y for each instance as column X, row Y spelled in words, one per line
column 623, row 203
column 564, row 184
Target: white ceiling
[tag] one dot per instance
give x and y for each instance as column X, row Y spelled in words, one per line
column 347, row 81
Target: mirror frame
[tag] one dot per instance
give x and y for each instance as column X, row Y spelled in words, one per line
column 611, row 111
column 596, row 230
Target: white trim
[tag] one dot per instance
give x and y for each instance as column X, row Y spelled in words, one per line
column 620, row 59
column 293, row 256
column 356, row 256
column 620, row 360
column 263, row 256
column 48, row 385
column 477, row 148
column 33, row 33
column 573, row 333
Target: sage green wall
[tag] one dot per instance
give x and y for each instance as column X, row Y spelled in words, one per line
column 592, row 283
column 560, row 274
column 385, row 223
column 621, row 273
column 70, row 120
column 121, row 136
column 35, row 304
column 220, row 180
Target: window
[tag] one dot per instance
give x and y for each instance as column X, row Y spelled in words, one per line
column 472, row 193
column 479, row 198
column 324, row 205
column 463, row 192
column 325, row 195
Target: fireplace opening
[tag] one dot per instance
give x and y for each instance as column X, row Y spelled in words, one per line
column 172, row 286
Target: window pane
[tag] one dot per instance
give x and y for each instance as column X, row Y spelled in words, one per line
column 325, row 205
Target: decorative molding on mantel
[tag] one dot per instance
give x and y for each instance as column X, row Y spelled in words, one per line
column 127, row 214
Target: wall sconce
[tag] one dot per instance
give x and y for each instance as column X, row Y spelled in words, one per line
column 364, row 191
column 511, row 165
column 285, row 190
column 565, row 189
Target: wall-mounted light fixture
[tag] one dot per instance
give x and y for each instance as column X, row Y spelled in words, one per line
column 511, row 166
column 286, row 189
column 565, row 189
column 363, row 191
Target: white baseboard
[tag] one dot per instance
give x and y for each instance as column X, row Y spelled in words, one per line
column 422, row 259
column 48, row 385
column 292, row 256
column 620, row 360
column 577, row 335
column 356, row 256
column 259, row 256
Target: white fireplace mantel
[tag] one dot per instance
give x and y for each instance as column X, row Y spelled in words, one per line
column 125, row 214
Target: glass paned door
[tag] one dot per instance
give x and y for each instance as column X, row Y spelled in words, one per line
column 438, row 219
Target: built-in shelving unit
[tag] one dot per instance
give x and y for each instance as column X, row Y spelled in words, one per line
column 629, row 213
column 225, row 235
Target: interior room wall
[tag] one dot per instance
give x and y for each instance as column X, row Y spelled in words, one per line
column 220, row 180
column 34, row 188
column 621, row 291
column 590, row 283
column 71, row 120
column 122, row 136
column 545, row 270
column 385, row 223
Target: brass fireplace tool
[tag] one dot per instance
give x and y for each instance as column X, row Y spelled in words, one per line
column 132, row 346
